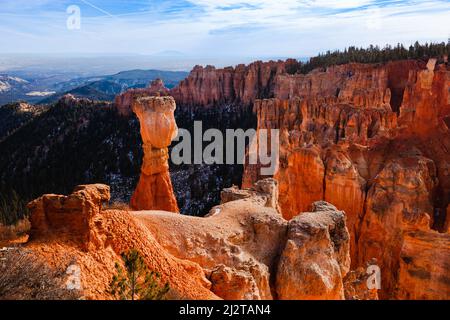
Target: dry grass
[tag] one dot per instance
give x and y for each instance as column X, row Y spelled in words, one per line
column 24, row 277
column 116, row 205
column 16, row 231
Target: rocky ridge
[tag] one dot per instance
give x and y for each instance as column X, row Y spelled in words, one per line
column 243, row 250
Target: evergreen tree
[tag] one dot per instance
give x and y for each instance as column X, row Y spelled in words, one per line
column 373, row 54
column 136, row 281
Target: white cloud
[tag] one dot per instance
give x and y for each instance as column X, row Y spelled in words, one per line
column 256, row 27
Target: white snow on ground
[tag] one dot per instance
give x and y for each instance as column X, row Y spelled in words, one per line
column 4, row 86
column 40, row 93
column 19, row 80
column 7, row 82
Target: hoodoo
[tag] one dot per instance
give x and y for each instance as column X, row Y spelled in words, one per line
column 158, row 128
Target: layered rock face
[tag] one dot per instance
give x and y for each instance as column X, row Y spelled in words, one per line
column 366, row 137
column 316, row 256
column 243, row 250
column 208, row 86
column 240, row 242
column 158, row 128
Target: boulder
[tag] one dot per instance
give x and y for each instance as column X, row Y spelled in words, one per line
column 316, row 257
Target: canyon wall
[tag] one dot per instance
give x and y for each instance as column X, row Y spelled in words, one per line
column 372, row 139
column 208, row 86
column 381, row 157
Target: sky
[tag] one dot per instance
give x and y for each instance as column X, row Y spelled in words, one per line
column 202, row 28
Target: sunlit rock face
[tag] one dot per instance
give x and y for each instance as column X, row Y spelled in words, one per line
column 77, row 230
column 366, row 137
column 158, row 128
column 399, row 200
column 69, row 216
column 123, row 102
column 316, row 256
column 208, row 86
column 248, row 251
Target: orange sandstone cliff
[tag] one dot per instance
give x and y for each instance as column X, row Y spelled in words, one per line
column 374, row 141
column 371, row 139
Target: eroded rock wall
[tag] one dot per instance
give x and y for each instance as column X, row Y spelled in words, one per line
column 364, row 137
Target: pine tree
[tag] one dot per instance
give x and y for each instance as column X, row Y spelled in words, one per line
column 136, row 281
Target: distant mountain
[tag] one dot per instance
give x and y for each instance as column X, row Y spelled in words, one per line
column 45, row 88
column 98, row 91
column 105, row 88
column 29, row 87
column 14, row 88
column 8, row 82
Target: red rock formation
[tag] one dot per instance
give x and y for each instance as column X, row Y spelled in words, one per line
column 124, row 101
column 311, row 166
column 316, row 257
column 233, row 253
column 158, row 128
column 207, row 86
column 424, row 266
column 355, row 285
column 341, row 131
column 425, row 100
column 236, row 244
column 345, row 188
column 69, row 216
column 239, row 245
column 74, row 230
column 400, row 199
column 302, row 181
column 357, row 121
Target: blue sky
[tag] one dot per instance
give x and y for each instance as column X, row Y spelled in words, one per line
column 255, row 28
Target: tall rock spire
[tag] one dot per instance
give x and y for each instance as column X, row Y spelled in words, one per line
column 158, row 128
